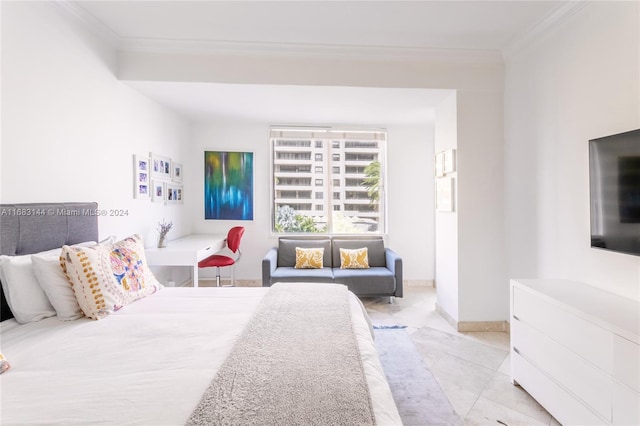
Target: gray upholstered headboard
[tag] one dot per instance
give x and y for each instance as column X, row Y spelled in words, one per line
column 35, row 227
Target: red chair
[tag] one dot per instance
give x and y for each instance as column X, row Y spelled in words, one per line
column 233, row 243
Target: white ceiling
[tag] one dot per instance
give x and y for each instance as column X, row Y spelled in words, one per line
column 486, row 26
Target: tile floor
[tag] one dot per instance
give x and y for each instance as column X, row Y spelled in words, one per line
column 472, row 368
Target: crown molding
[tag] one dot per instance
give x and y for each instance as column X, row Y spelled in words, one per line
column 402, row 53
column 553, row 19
column 89, row 21
column 269, row 49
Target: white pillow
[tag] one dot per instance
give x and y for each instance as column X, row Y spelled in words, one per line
column 25, row 297
column 55, row 283
column 57, row 287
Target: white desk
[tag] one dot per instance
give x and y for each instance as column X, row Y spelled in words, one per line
column 187, row 251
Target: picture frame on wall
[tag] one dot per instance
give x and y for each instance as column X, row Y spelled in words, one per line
column 176, row 172
column 174, row 193
column 228, row 185
column 449, row 161
column 445, row 194
column 160, row 166
column 157, row 191
column 141, row 177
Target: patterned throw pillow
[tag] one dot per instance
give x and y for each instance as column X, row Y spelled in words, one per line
column 309, row 258
column 107, row 277
column 4, row 364
column 354, row 259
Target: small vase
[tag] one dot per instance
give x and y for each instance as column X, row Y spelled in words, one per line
column 162, row 241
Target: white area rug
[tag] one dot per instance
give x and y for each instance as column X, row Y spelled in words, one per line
column 418, row 396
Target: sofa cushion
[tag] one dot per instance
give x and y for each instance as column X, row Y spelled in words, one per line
column 287, row 250
column 290, row 274
column 375, row 248
column 354, row 259
column 309, row 258
column 363, row 282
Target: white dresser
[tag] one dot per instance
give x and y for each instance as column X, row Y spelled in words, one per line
column 575, row 349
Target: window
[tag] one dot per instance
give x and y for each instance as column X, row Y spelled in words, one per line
column 355, row 195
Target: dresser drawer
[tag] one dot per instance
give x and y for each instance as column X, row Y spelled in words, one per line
column 569, row 370
column 209, row 250
column 560, row 403
column 626, row 366
column 580, row 336
column 626, row 406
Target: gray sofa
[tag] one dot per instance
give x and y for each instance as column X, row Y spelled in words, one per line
column 382, row 278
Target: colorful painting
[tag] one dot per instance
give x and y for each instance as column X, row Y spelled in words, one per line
column 228, row 185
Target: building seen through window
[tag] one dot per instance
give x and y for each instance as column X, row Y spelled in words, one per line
column 349, row 168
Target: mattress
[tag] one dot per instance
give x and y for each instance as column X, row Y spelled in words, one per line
column 148, row 363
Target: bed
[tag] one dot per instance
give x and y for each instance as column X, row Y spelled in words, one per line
column 155, row 361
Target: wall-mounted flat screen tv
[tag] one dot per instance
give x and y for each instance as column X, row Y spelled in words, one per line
column 614, row 180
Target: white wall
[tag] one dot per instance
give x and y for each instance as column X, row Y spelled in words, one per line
column 471, row 280
column 70, row 128
column 410, row 217
column 446, row 223
column 483, row 282
column 580, row 82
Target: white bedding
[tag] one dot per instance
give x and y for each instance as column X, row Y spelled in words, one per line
column 148, row 363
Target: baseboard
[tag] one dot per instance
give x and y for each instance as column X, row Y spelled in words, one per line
column 473, row 326
column 444, row 314
column 418, row 283
column 209, row 282
column 495, row 326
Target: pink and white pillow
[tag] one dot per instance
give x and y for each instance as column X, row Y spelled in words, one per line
column 4, row 364
column 105, row 277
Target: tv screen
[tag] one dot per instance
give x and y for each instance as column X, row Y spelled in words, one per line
column 614, row 179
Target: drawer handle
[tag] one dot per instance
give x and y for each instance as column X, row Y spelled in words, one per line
column 516, row 350
column 516, row 318
column 208, row 248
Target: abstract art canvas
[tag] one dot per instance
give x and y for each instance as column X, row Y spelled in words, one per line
column 228, row 185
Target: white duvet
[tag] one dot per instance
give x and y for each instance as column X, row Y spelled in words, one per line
column 147, row 364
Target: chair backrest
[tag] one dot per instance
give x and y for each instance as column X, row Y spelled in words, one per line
column 233, row 238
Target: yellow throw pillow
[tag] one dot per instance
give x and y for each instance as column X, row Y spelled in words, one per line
column 107, row 277
column 309, row 258
column 354, row 259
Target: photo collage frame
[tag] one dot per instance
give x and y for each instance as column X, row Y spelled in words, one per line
column 158, row 178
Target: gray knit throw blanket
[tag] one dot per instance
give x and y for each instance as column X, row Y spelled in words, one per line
column 296, row 363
